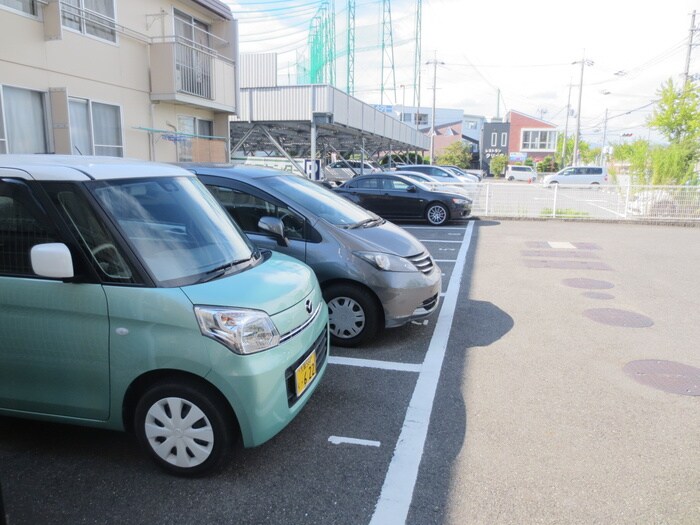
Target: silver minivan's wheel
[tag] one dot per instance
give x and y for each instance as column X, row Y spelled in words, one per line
column 437, row 214
column 353, row 314
column 185, row 428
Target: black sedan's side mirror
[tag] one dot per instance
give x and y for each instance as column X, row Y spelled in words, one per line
column 411, row 189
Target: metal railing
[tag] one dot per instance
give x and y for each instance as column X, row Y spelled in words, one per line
column 589, row 202
column 194, row 69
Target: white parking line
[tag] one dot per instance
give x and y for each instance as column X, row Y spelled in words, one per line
column 397, row 491
column 337, row 440
column 445, row 260
column 442, row 228
column 381, row 365
column 439, row 240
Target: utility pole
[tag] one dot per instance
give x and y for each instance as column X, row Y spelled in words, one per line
column 690, row 48
column 605, row 136
column 434, row 63
column 583, row 63
column 498, row 104
column 566, row 127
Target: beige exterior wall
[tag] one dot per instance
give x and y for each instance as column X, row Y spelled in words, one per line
column 37, row 53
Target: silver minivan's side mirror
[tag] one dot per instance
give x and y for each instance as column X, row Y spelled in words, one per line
column 52, row 260
column 274, row 226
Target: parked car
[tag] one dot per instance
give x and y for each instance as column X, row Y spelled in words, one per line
column 373, row 274
column 438, row 172
column 654, row 203
column 397, row 197
column 468, row 190
column 594, row 175
column 473, row 175
column 130, row 301
column 342, row 170
column 523, row 173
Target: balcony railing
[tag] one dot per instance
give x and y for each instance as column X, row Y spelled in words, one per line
column 194, row 69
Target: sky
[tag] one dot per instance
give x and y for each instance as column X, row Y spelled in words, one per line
column 494, row 56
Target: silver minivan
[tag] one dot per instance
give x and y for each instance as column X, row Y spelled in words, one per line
column 373, row 274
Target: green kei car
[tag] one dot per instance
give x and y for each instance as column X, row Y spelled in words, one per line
column 129, row 300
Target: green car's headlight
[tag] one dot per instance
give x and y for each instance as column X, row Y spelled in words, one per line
column 240, row 330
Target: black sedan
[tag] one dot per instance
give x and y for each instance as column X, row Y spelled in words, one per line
column 398, row 197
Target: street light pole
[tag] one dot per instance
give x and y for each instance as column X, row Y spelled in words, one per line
column 434, row 63
column 583, row 63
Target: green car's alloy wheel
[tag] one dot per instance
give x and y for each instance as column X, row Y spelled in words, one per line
column 185, row 428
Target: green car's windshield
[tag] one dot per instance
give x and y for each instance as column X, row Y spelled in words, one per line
column 176, row 227
column 321, row 201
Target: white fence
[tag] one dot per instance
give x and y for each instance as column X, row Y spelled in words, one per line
column 607, row 202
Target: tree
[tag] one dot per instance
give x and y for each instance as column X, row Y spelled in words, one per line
column 547, row 165
column 677, row 114
column 498, row 165
column 456, row 154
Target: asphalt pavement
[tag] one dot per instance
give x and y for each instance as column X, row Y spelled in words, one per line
column 524, row 411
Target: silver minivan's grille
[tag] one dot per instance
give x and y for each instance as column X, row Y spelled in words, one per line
column 422, row 261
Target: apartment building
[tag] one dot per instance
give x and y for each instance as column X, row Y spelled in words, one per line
column 153, row 79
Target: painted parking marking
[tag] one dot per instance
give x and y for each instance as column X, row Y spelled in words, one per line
column 561, row 245
column 380, row 365
column 440, row 240
column 338, row 440
column 445, row 260
column 397, row 491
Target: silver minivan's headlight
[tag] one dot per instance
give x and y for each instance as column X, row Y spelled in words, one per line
column 240, row 330
column 387, row 261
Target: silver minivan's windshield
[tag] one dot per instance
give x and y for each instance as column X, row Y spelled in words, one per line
column 321, row 201
column 176, row 227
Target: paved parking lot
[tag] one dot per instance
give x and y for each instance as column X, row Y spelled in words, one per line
column 512, row 405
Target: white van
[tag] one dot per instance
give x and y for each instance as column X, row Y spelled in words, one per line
column 594, row 175
column 525, row 173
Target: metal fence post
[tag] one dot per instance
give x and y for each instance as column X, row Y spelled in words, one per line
column 554, row 206
column 488, row 189
column 627, row 201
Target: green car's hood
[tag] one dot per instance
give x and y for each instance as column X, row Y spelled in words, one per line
column 272, row 286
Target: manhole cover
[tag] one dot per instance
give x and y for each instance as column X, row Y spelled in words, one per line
column 615, row 317
column 669, row 376
column 598, row 295
column 588, row 284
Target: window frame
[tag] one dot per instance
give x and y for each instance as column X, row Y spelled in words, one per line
column 80, row 15
column 4, row 136
column 91, row 125
column 34, row 4
column 550, row 142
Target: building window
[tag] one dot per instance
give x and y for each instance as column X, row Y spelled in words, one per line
column 25, row 6
column 494, row 139
column 504, row 139
column 470, row 124
column 95, row 128
column 90, row 17
column 540, row 140
column 421, row 119
column 193, row 129
column 406, row 117
column 22, row 121
column 193, row 56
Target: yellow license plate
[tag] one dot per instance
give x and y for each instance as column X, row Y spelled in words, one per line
column 305, row 373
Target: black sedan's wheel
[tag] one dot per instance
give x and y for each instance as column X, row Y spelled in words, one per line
column 353, row 314
column 437, row 214
column 186, row 429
